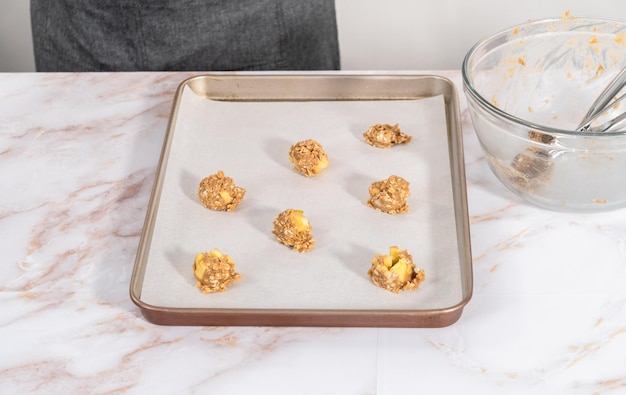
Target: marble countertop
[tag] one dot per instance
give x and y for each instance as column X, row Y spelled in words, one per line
column 78, row 154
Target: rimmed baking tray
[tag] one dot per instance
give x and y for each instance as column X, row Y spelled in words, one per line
column 244, row 125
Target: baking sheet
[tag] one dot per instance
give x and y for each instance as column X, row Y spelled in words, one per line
column 248, row 137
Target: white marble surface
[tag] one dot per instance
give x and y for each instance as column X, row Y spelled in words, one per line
column 78, row 154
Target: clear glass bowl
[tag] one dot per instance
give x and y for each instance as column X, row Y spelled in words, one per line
column 528, row 88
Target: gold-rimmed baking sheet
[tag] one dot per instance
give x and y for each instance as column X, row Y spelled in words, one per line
column 245, row 125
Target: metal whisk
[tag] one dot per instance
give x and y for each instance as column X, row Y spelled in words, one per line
column 607, row 99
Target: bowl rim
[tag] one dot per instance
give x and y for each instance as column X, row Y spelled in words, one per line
column 485, row 104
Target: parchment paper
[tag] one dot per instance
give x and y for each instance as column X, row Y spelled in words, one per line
column 250, row 142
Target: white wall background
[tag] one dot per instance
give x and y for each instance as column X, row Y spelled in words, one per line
column 16, row 49
column 375, row 34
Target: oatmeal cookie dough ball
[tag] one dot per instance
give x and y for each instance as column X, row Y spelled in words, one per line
column 214, row 271
column 219, row 193
column 293, row 229
column 385, row 136
column 389, row 195
column 395, row 272
column 308, row 157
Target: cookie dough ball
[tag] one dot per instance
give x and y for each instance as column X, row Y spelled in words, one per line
column 293, row 229
column 308, row 157
column 219, row 193
column 389, row 196
column 214, row 271
column 385, row 136
column 395, row 272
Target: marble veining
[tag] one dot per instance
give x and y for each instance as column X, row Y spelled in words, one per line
column 78, row 154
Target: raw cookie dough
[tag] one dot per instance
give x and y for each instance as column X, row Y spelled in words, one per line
column 395, row 272
column 385, row 136
column 533, row 164
column 389, row 196
column 218, row 192
column 308, row 157
column 214, row 271
column 541, row 137
column 293, row 229
column 532, row 168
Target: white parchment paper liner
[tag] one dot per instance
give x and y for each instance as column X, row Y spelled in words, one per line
column 250, row 142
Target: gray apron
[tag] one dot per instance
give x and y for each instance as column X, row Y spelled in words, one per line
column 184, row 35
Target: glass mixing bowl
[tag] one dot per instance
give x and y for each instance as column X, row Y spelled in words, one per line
column 528, row 88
